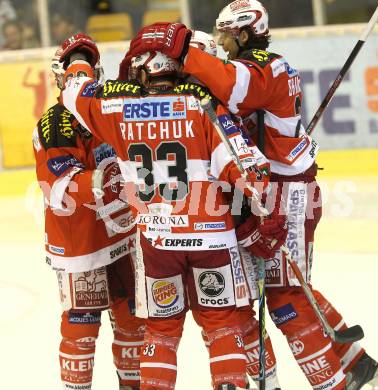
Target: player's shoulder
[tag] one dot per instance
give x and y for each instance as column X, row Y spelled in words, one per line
column 196, row 91
column 262, row 58
column 268, row 61
column 56, row 128
column 118, row 88
column 193, row 89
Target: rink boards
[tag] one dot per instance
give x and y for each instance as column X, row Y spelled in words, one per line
column 350, row 121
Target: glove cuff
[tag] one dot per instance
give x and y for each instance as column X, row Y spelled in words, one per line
column 98, row 183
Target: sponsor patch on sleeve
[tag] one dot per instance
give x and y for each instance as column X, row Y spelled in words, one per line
column 112, row 105
column 283, row 314
column 59, row 165
column 90, row 89
column 228, row 124
column 299, row 148
column 102, row 152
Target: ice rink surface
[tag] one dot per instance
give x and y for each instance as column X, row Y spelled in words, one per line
column 345, row 271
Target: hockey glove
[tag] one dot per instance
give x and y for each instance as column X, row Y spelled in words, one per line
column 172, row 39
column 124, row 67
column 80, row 43
column 264, row 238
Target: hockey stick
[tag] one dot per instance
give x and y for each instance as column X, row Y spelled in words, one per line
column 262, row 329
column 261, row 272
column 347, row 336
column 206, row 105
column 373, row 20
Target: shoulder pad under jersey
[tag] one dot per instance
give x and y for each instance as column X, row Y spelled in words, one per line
column 56, row 128
column 259, row 57
column 114, row 88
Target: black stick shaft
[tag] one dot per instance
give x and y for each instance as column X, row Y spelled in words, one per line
column 335, row 85
column 343, row 72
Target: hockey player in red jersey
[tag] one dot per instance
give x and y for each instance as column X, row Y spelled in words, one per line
column 249, row 325
column 173, row 160
column 255, row 82
column 89, row 242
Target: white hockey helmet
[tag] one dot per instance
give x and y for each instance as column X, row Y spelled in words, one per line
column 204, row 42
column 243, row 13
column 154, row 63
column 58, row 70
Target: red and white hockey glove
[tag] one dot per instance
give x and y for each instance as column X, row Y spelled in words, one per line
column 171, row 39
column 80, row 43
column 264, row 238
column 112, row 183
column 124, row 67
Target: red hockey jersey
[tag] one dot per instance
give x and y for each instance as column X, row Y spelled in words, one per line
column 76, row 236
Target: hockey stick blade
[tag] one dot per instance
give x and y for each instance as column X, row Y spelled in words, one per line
column 349, row 335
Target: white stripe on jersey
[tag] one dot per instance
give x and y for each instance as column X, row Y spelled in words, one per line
column 70, row 95
column 230, row 356
column 159, row 365
column 240, row 89
column 92, row 260
column 58, row 190
column 219, row 159
column 77, row 357
column 285, row 126
column 300, row 165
